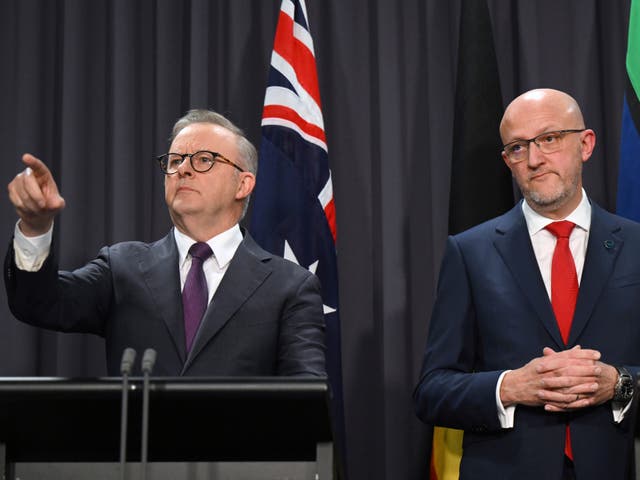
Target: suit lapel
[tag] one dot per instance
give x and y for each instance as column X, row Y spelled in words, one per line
column 514, row 245
column 160, row 271
column 245, row 274
column 602, row 250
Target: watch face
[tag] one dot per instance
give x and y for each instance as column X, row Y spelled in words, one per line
column 624, row 388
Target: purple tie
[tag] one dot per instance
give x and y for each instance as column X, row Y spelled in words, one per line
column 195, row 292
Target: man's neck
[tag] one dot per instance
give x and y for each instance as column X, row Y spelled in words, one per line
column 200, row 230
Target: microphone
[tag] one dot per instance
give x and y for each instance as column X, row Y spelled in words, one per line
column 148, row 361
column 128, row 357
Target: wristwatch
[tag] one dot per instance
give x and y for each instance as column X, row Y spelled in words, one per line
column 624, row 388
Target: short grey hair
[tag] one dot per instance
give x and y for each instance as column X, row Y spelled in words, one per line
column 248, row 153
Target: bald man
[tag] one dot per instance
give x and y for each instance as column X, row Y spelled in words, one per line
column 534, row 340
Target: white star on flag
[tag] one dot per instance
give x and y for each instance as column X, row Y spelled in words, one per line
column 289, row 255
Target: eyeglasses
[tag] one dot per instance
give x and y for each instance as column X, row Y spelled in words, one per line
column 201, row 161
column 547, row 142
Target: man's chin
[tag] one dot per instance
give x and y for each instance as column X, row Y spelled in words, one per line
column 546, row 203
column 183, row 207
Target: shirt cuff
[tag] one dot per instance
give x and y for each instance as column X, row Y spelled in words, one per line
column 505, row 415
column 31, row 252
column 619, row 410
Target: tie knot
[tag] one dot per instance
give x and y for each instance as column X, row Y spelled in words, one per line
column 561, row 229
column 201, row 251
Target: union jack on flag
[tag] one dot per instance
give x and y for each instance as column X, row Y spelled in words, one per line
column 293, row 212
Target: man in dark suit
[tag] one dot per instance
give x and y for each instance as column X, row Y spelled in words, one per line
column 542, row 385
column 262, row 314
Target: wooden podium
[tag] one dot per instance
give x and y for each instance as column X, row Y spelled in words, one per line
column 267, row 419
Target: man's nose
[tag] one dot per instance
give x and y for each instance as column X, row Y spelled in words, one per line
column 535, row 156
column 185, row 167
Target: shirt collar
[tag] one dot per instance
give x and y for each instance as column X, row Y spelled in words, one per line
column 223, row 245
column 581, row 216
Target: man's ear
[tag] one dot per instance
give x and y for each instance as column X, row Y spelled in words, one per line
column 588, row 143
column 245, row 185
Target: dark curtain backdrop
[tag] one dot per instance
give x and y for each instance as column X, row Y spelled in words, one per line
column 94, row 87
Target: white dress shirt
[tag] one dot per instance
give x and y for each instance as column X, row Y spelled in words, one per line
column 223, row 245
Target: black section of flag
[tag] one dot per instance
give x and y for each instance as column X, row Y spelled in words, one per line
column 632, row 102
column 481, row 185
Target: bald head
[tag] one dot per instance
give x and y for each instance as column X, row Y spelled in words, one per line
column 549, row 174
column 542, row 104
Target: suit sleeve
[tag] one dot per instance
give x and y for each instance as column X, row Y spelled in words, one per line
column 451, row 392
column 64, row 301
column 301, row 349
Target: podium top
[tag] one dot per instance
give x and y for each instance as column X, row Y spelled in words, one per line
column 190, row 419
column 236, row 386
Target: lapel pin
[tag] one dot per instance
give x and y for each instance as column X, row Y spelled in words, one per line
column 609, row 244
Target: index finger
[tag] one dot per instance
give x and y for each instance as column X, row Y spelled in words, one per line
column 37, row 166
column 581, row 353
column 575, row 352
column 560, row 364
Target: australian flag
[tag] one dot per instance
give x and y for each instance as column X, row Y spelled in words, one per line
column 293, row 209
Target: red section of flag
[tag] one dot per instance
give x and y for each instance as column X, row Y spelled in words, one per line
column 330, row 212
column 286, row 113
column 296, row 53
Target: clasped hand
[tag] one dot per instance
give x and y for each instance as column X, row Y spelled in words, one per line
column 560, row 381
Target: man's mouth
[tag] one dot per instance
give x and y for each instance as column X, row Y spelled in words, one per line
column 539, row 176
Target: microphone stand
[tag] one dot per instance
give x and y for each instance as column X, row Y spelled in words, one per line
column 148, row 361
column 128, row 357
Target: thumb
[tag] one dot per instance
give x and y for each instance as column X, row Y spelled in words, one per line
column 56, row 201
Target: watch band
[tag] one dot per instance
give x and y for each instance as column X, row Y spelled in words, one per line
column 625, row 386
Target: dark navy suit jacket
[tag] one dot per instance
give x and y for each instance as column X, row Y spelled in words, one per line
column 265, row 318
column 493, row 313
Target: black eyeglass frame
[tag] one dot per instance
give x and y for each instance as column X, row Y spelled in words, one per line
column 163, row 161
column 535, row 140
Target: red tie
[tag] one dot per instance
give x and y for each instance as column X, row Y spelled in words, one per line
column 564, row 289
column 564, row 279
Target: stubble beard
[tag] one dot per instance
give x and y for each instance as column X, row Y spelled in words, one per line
column 554, row 200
